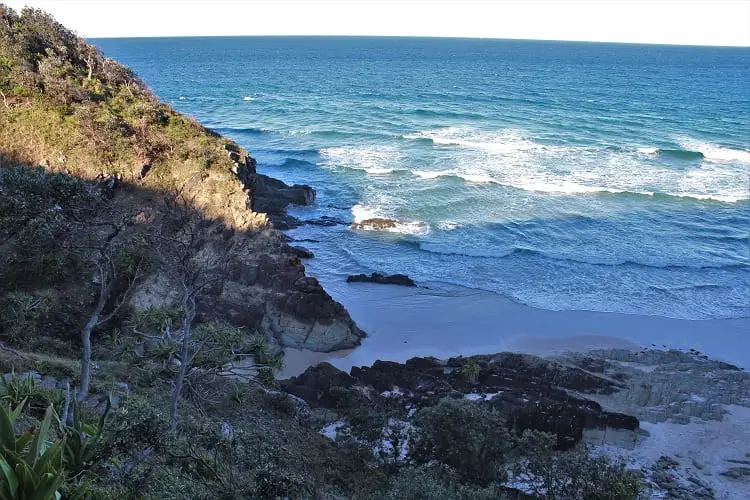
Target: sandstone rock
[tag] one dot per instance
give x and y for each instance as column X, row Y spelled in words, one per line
column 266, row 291
column 383, row 279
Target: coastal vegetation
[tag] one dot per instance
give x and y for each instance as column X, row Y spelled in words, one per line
column 123, row 229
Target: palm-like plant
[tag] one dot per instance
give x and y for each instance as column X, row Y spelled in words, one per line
column 79, row 445
column 32, row 468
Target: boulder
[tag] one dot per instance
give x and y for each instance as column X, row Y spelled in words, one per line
column 383, row 279
column 375, row 224
column 302, row 252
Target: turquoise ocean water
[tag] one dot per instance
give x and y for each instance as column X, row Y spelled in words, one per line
column 562, row 175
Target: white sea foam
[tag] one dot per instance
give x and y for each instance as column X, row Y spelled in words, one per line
column 559, row 187
column 713, row 152
column 505, row 141
column 508, row 157
column 648, row 151
column 371, row 159
column 516, row 161
column 448, row 225
column 424, row 174
column 476, row 177
column 248, row 98
column 362, row 212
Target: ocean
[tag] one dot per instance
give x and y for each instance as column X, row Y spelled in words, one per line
column 561, row 175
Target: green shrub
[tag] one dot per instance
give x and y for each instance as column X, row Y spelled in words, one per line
column 573, row 474
column 470, row 371
column 463, row 435
column 81, row 440
column 22, row 315
column 367, row 424
column 436, row 482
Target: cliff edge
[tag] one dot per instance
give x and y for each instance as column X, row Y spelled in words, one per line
column 90, row 123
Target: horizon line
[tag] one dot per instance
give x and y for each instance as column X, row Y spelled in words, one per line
column 418, row 37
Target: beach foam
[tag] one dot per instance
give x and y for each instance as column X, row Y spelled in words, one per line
column 504, row 141
column 713, row 152
column 370, row 159
column 361, row 213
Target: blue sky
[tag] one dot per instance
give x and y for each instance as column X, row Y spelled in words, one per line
column 692, row 22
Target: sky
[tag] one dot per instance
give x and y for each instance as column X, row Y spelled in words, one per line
column 684, row 22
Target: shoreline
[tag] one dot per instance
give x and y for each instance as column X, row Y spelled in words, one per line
column 445, row 321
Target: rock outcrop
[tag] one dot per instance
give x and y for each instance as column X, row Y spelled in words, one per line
column 268, row 195
column 532, row 393
column 266, row 289
column 382, row 279
column 375, row 224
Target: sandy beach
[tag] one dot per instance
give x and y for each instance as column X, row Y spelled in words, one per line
column 442, row 320
column 696, row 413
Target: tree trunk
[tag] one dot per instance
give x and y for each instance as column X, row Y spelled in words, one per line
column 90, row 65
column 86, row 336
column 188, row 313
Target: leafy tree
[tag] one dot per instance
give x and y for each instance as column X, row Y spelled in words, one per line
column 463, row 435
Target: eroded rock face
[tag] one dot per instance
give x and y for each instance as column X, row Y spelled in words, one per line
column 533, row 393
column 265, row 289
column 383, row 279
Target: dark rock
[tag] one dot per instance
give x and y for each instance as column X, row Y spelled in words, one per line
column 325, row 221
column 302, row 252
column 285, row 222
column 592, row 365
column 741, row 473
column 320, row 385
column 377, row 224
column 272, row 196
column 531, row 392
column 145, row 169
column 383, row 279
column 251, row 166
column 232, row 148
column 266, row 290
column 268, row 195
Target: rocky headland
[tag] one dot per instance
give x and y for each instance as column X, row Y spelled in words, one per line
column 142, row 252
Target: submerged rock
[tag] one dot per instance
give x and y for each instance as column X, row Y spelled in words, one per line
column 383, row 279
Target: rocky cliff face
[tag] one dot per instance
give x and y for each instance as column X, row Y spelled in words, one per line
column 91, row 121
column 266, row 289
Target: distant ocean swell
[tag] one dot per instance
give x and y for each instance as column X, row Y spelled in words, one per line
column 542, row 171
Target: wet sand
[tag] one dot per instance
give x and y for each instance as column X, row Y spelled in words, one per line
column 445, row 320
